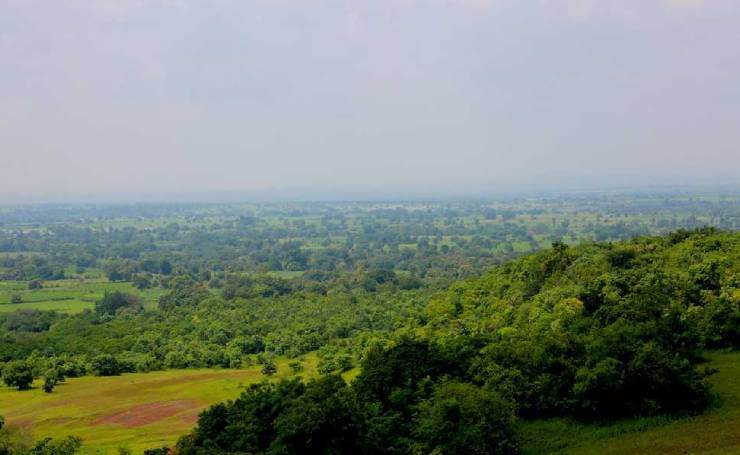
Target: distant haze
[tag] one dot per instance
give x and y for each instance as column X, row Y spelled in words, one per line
column 185, row 96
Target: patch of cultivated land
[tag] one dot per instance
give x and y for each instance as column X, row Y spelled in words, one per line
column 137, row 411
column 67, row 296
column 714, row 432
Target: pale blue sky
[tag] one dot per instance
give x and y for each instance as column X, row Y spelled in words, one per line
column 184, row 95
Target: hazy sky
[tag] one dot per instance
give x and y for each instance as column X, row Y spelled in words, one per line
column 185, row 95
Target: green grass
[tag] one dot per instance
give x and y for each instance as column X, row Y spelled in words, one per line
column 715, row 432
column 137, row 411
column 68, row 296
column 62, row 306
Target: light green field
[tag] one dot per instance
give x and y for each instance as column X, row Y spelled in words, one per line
column 68, row 296
column 715, row 432
column 63, row 306
column 136, row 411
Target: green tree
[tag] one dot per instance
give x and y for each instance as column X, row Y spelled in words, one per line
column 106, row 365
column 48, row 446
column 18, row 374
column 269, row 368
column 49, row 384
column 463, row 418
column 324, row 419
column 114, row 301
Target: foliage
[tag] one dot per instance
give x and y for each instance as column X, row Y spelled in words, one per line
column 49, row 446
column 288, row 417
column 462, row 418
column 269, row 368
column 18, row 374
column 49, row 384
column 13, row 441
column 29, row 320
column 112, row 302
column 106, row 365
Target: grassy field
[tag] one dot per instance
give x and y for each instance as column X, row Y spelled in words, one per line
column 67, row 296
column 136, row 411
column 715, row 432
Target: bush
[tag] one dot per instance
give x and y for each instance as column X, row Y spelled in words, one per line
column 269, row 368
column 106, row 365
column 18, row 374
column 49, row 384
column 49, row 446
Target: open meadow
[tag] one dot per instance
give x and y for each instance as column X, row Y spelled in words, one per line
column 67, row 296
column 136, row 411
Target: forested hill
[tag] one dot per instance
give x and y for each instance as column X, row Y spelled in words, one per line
column 599, row 331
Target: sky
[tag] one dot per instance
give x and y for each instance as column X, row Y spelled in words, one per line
column 185, row 96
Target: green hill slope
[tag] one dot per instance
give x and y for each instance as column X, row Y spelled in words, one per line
column 717, row 431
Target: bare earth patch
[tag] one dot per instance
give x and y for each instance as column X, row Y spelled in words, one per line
column 145, row 414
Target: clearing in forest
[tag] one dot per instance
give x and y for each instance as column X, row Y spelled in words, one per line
column 136, row 411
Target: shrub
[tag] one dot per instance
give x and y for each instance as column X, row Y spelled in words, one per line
column 106, row 365
column 269, row 368
column 18, row 374
column 49, row 384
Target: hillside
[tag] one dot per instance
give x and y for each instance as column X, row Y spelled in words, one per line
column 574, row 348
column 716, row 431
column 598, row 333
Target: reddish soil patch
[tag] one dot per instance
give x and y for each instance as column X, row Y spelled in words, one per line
column 24, row 424
column 145, row 414
column 190, row 419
